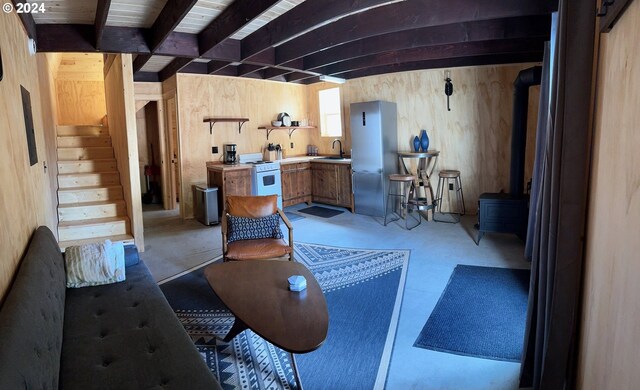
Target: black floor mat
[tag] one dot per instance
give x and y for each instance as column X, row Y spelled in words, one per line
column 322, row 212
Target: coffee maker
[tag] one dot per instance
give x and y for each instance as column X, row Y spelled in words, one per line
column 230, row 156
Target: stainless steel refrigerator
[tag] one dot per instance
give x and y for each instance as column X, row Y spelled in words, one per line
column 374, row 147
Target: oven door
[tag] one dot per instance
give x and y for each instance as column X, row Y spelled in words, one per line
column 268, row 183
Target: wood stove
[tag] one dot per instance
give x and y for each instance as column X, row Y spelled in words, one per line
column 508, row 212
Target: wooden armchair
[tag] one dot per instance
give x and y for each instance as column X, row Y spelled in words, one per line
column 257, row 249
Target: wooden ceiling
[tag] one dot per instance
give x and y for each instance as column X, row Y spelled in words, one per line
column 295, row 40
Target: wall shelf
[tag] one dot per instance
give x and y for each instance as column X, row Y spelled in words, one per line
column 213, row 121
column 290, row 129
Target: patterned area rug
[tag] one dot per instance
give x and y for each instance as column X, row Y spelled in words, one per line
column 363, row 289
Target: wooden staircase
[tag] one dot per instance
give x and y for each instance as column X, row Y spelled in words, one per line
column 91, row 201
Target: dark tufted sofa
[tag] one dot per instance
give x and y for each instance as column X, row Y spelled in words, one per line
column 117, row 336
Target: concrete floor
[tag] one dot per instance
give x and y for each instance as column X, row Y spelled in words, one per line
column 173, row 246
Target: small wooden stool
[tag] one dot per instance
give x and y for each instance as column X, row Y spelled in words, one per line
column 444, row 180
column 402, row 188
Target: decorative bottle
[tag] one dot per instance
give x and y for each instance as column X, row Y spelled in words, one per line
column 424, row 140
column 416, row 144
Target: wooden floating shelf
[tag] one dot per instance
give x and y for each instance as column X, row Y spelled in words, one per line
column 213, row 121
column 290, row 129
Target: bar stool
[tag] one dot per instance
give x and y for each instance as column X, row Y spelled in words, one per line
column 445, row 178
column 402, row 189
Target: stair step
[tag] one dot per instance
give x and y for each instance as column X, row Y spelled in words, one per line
column 90, row 153
column 126, row 239
column 92, row 228
column 91, row 210
column 89, row 194
column 87, row 166
column 74, row 180
column 82, row 130
column 81, row 141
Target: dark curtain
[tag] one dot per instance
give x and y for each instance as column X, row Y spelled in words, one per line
column 559, row 191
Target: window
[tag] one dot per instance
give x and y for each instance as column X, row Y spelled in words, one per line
column 330, row 113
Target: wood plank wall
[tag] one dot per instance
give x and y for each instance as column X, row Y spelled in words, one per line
column 25, row 193
column 47, row 66
column 609, row 350
column 258, row 100
column 474, row 137
column 120, row 103
column 80, row 102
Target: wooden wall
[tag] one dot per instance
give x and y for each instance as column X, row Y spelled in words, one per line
column 258, row 100
column 80, row 88
column 47, row 69
column 611, row 309
column 25, row 193
column 80, row 102
column 120, row 102
column 474, row 137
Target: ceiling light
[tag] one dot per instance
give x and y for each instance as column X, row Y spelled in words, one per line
column 331, row 79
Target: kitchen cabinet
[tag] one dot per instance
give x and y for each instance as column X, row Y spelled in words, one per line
column 230, row 181
column 296, row 183
column 331, row 184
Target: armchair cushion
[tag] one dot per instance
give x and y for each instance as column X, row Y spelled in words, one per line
column 265, row 248
column 241, row 228
column 252, row 206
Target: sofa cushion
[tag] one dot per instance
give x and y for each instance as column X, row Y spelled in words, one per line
column 31, row 318
column 126, row 336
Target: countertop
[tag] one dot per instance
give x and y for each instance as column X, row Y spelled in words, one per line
column 218, row 166
column 318, row 159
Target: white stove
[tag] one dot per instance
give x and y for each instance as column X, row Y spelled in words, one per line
column 265, row 178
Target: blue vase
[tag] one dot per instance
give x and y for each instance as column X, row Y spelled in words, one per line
column 416, row 144
column 424, row 140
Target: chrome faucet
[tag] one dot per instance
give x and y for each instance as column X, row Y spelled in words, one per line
column 333, row 146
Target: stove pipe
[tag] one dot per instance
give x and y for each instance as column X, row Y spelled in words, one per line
column 526, row 78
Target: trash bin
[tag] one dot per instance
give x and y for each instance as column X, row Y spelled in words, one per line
column 205, row 204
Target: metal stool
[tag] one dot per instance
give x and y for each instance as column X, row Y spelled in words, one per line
column 402, row 188
column 444, row 180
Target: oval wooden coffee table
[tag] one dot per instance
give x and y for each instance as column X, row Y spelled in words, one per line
column 258, row 295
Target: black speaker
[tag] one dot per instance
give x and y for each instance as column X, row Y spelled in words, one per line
column 1, row 72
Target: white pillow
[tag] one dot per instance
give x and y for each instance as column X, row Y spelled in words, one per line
column 94, row 264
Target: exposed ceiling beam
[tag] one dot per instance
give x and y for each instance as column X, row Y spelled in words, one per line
column 146, row 76
column 296, row 76
column 512, row 58
column 176, row 65
column 234, row 17
column 140, row 61
column 168, row 19
column 27, row 21
column 404, row 16
column 301, row 18
column 102, row 12
column 275, row 73
column 485, row 30
column 214, row 66
column 79, row 38
column 194, row 67
column 245, row 69
column 465, row 49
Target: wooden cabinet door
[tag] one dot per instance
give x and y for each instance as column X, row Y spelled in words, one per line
column 288, row 176
column 324, row 183
column 237, row 182
column 345, row 195
column 303, row 180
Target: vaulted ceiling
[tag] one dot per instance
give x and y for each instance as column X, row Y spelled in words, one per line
column 295, row 40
